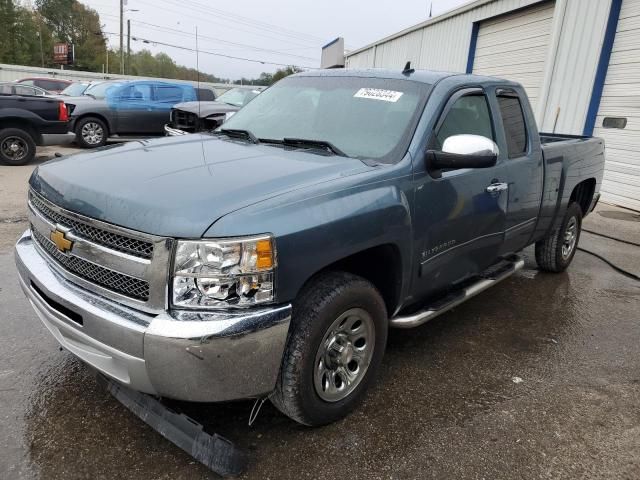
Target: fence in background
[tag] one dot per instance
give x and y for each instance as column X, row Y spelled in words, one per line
column 9, row 73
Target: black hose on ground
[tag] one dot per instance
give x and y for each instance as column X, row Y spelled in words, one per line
column 612, row 265
column 611, row 238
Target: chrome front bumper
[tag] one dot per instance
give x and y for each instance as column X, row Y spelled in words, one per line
column 174, row 132
column 193, row 356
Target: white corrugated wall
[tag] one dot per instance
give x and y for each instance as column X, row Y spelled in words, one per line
column 443, row 44
column 621, row 98
column 516, row 46
column 574, row 65
column 439, row 45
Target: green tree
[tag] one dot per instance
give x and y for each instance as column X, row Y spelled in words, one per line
column 19, row 30
column 74, row 23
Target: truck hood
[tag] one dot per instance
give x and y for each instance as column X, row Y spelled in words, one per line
column 204, row 109
column 179, row 186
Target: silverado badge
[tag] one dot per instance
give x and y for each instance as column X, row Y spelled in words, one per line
column 62, row 242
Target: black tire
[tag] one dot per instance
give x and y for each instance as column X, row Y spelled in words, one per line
column 17, row 147
column 322, row 302
column 550, row 256
column 91, row 132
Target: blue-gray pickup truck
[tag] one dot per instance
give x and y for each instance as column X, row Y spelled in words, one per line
column 270, row 257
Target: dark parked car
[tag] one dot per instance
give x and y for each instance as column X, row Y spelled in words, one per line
column 27, row 121
column 193, row 117
column 124, row 109
column 270, row 258
column 13, row 88
column 51, row 85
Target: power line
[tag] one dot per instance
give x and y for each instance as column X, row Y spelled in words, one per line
column 250, row 21
column 246, row 47
column 235, row 26
column 258, row 23
column 207, row 52
column 219, row 40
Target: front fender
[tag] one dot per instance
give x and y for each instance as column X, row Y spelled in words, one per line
column 315, row 230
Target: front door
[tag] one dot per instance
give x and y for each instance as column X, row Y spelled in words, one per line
column 460, row 214
column 134, row 109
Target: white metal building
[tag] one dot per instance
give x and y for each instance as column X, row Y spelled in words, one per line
column 578, row 59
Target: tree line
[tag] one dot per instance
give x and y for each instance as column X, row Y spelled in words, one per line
column 27, row 36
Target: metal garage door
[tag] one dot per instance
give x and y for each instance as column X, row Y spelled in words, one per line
column 621, row 99
column 515, row 47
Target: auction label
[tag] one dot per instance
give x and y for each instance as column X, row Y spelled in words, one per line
column 378, row 94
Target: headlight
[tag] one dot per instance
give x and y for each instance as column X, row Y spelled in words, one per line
column 222, row 273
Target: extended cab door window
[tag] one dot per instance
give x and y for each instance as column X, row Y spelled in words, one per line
column 525, row 167
column 468, row 114
column 515, row 128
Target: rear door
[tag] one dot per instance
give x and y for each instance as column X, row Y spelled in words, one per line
column 165, row 96
column 459, row 224
column 524, row 165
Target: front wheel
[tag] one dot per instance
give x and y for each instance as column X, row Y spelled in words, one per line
column 337, row 339
column 555, row 253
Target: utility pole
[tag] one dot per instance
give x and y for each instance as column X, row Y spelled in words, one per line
column 122, row 37
column 128, row 47
column 40, row 37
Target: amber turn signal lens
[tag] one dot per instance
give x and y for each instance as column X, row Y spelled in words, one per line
column 264, row 251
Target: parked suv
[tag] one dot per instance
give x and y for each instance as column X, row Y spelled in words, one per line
column 125, row 109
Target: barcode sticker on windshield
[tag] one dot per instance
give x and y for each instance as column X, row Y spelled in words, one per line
column 378, row 94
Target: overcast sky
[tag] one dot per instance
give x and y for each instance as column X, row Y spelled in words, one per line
column 286, row 32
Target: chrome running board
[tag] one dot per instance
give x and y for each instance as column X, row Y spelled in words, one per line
column 494, row 275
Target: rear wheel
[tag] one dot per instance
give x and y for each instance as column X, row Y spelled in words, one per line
column 17, row 147
column 555, row 253
column 91, row 132
column 335, row 347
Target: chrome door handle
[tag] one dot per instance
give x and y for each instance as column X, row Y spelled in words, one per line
column 497, row 187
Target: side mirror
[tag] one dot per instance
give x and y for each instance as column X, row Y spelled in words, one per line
column 464, row 151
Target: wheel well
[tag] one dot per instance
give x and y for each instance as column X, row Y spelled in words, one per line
column 583, row 194
column 380, row 265
column 21, row 124
column 92, row 115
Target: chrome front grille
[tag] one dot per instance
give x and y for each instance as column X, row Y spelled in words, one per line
column 118, row 242
column 186, row 121
column 125, row 265
column 109, row 279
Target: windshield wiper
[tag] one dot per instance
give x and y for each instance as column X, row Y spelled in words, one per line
column 238, row 133
column 308, row 143
column 89, row 95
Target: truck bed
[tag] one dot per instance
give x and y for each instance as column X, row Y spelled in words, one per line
column 547, row 138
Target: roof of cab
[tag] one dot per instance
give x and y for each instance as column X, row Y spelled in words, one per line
column 424, row 76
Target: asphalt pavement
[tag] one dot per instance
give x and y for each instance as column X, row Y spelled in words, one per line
column 539, row 377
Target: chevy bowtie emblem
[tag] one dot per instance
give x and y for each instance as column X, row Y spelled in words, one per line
column 61, row 241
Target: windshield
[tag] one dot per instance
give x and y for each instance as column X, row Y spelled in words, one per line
column 238, row 97
column 75, row 89
column 367, row 118
column 99, row 90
